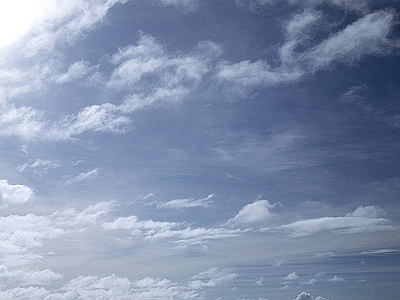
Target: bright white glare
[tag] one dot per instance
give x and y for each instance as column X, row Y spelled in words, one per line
column 17, row 18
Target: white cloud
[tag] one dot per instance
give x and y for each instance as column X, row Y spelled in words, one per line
column 21, row 121
column 25, row 278
column 13, row 194
column 187, row 203
column 368, row 35
column 324, row 255
column 380, row 252
column 211, row 278
column 77, row 70
column 185, row 4
column 257, row 212
column 363, row 219
column 152, row 76
column 21, row 234
column 64, row 21
column 336, row 279
column 83, row 177
column 307, row 296
column 114, row 287
column 39, row 166
column 176, row 232
column 292, row 276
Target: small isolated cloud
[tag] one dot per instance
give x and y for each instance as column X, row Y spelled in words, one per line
column 380, row 252
column 212, row 278
column 14, row 194
column 324, row 254
column 187, row 203
column 257, row 212
column 292, row 276
column 336, row 279
column 187, row 5
column 39, row 167
column 307, row 296
column 83, row 176
column 363, row 219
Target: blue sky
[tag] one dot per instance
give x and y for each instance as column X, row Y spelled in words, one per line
column 187, row 149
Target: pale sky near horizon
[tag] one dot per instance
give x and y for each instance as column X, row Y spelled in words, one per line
column 200, row 149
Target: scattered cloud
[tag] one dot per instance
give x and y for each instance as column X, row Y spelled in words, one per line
column 39, row 166
column 14, row 194
column 292, row 276
column 298, row 57
column 187, row 203
column 26, row 278
column 336, row 279
column 114, row 287
column 83, row 177
column 363, row 219
column 380, row 252
column 147, row 66
column 187, row 5
column 211, row 278
column 255, row 213
column 176, row 232
column 324, row 255
column 307, row 296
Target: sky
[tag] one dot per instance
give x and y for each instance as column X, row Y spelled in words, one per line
column 200, row 149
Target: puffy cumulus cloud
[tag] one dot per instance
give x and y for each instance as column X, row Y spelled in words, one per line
column 12, row 194
column 21, row 234
column 114, row 287
column 178, row 233
column 307, row 296
column 292, row 276
column 25, row 278
column 363, row 219
column 254, row 213
column 211, row 278
column 187, row 203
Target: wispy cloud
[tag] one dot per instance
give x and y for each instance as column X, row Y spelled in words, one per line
column 380, row 252
column 368, row 35
column 178, row 233
column 39, row 166
column 363, row 219
column 336, row 279
column 83, row 176
column 187, row 203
